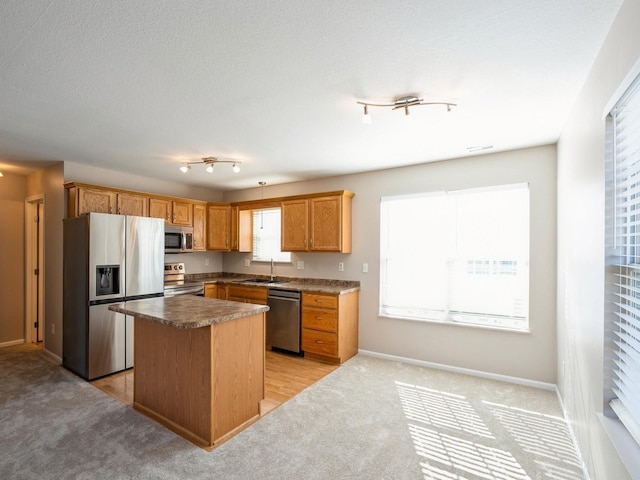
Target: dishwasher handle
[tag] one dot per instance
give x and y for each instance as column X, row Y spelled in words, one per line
column 290, row 295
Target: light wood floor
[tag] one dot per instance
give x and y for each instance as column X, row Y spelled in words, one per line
column 285, row 376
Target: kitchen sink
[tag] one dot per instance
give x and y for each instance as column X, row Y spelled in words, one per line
column 257, row 280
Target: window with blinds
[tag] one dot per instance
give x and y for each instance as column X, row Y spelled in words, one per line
column 460, row 257
column 266, row 236
column 622, row 391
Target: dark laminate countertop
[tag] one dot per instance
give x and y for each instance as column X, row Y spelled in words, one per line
column 309, row 285
column 187, row 311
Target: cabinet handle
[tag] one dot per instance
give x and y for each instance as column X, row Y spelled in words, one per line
column 318, row 317
column 319, row 300
column 319, row 341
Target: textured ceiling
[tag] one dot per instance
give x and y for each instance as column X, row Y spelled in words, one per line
column 139, row 86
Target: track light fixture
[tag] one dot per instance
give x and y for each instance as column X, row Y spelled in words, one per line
column 401, row 102
column 210, row 162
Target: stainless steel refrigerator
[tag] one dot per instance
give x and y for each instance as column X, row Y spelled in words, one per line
column 107, row 259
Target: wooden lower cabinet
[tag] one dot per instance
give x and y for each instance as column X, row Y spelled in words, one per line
column 211, row 290
column 247, row 294
column 204, row 383
column 330, row 326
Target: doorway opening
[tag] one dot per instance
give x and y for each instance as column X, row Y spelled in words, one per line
column 34, row 265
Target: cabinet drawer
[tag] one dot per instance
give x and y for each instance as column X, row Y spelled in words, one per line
column 319, row 300
column 320, row 319
column 250, row 293
column 322, row 343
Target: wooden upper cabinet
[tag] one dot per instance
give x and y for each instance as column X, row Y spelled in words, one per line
column 317, row 224
column 199, row 227
column 241, row 230
column 130, row 204
column 96, row 201
column 294, row 235
column 219, row 227
column 174, row 212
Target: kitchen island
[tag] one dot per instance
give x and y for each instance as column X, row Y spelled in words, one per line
column 199, row 364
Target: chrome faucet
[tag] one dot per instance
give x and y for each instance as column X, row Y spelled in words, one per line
column 273, row 277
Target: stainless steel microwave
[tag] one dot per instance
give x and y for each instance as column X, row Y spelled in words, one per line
column 178, row 239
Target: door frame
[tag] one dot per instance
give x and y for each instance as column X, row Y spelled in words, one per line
column 34, row 258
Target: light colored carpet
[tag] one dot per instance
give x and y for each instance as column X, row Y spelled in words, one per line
column 369, row 419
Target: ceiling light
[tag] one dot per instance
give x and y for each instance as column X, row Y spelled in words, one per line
column 366, row 118
column 401, row 102
column 210, row 162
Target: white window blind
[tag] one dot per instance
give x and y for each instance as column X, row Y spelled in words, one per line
column 623, row 254
column 266, row 236
column 460, row 257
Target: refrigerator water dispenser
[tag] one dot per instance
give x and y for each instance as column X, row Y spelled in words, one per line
column 107, row 280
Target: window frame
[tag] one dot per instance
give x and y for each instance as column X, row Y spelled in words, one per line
column 278, row 257
column 455, row 281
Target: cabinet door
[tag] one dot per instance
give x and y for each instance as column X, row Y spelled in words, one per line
column 218, row 227
column 97, row 201
column 295, row 226
column 199, row 227
column 182, row 213
column 241, row 230
column 129, row 204
column 211, row 290
column 159, row 208
column 326, row 224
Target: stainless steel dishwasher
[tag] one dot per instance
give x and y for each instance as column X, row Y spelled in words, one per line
column 283, row 319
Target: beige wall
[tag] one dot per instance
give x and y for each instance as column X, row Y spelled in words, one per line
column 581, row 202
column 529, row 356
column 48, row 182
column 13, row 191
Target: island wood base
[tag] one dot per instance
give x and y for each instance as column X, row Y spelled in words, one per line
column 203, row 383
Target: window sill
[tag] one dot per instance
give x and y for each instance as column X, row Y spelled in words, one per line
column 623, row 443
column 457, row 324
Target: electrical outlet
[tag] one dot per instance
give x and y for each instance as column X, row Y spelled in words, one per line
column 300, row 265
column 341, row 267
column 365, row 268
column 206, row 261
column 247, row 262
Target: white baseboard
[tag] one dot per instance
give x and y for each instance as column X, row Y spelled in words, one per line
column 11, row 343
column 51, row 356
column 467, row 371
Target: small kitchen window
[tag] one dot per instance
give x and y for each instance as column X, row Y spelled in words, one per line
column 266, row 236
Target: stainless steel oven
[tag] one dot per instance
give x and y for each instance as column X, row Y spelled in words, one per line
column 175, row 284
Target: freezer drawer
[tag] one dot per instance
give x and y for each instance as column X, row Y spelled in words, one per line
column 107, row 341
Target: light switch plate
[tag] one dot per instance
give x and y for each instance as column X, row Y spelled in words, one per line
column 365, row 268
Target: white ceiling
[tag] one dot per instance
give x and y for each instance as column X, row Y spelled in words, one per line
column 139, row 86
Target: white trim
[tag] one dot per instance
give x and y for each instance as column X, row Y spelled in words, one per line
column 466, row 371
column 622, row 87
column 52, row 356
column 12, row 342
column 623, row 443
